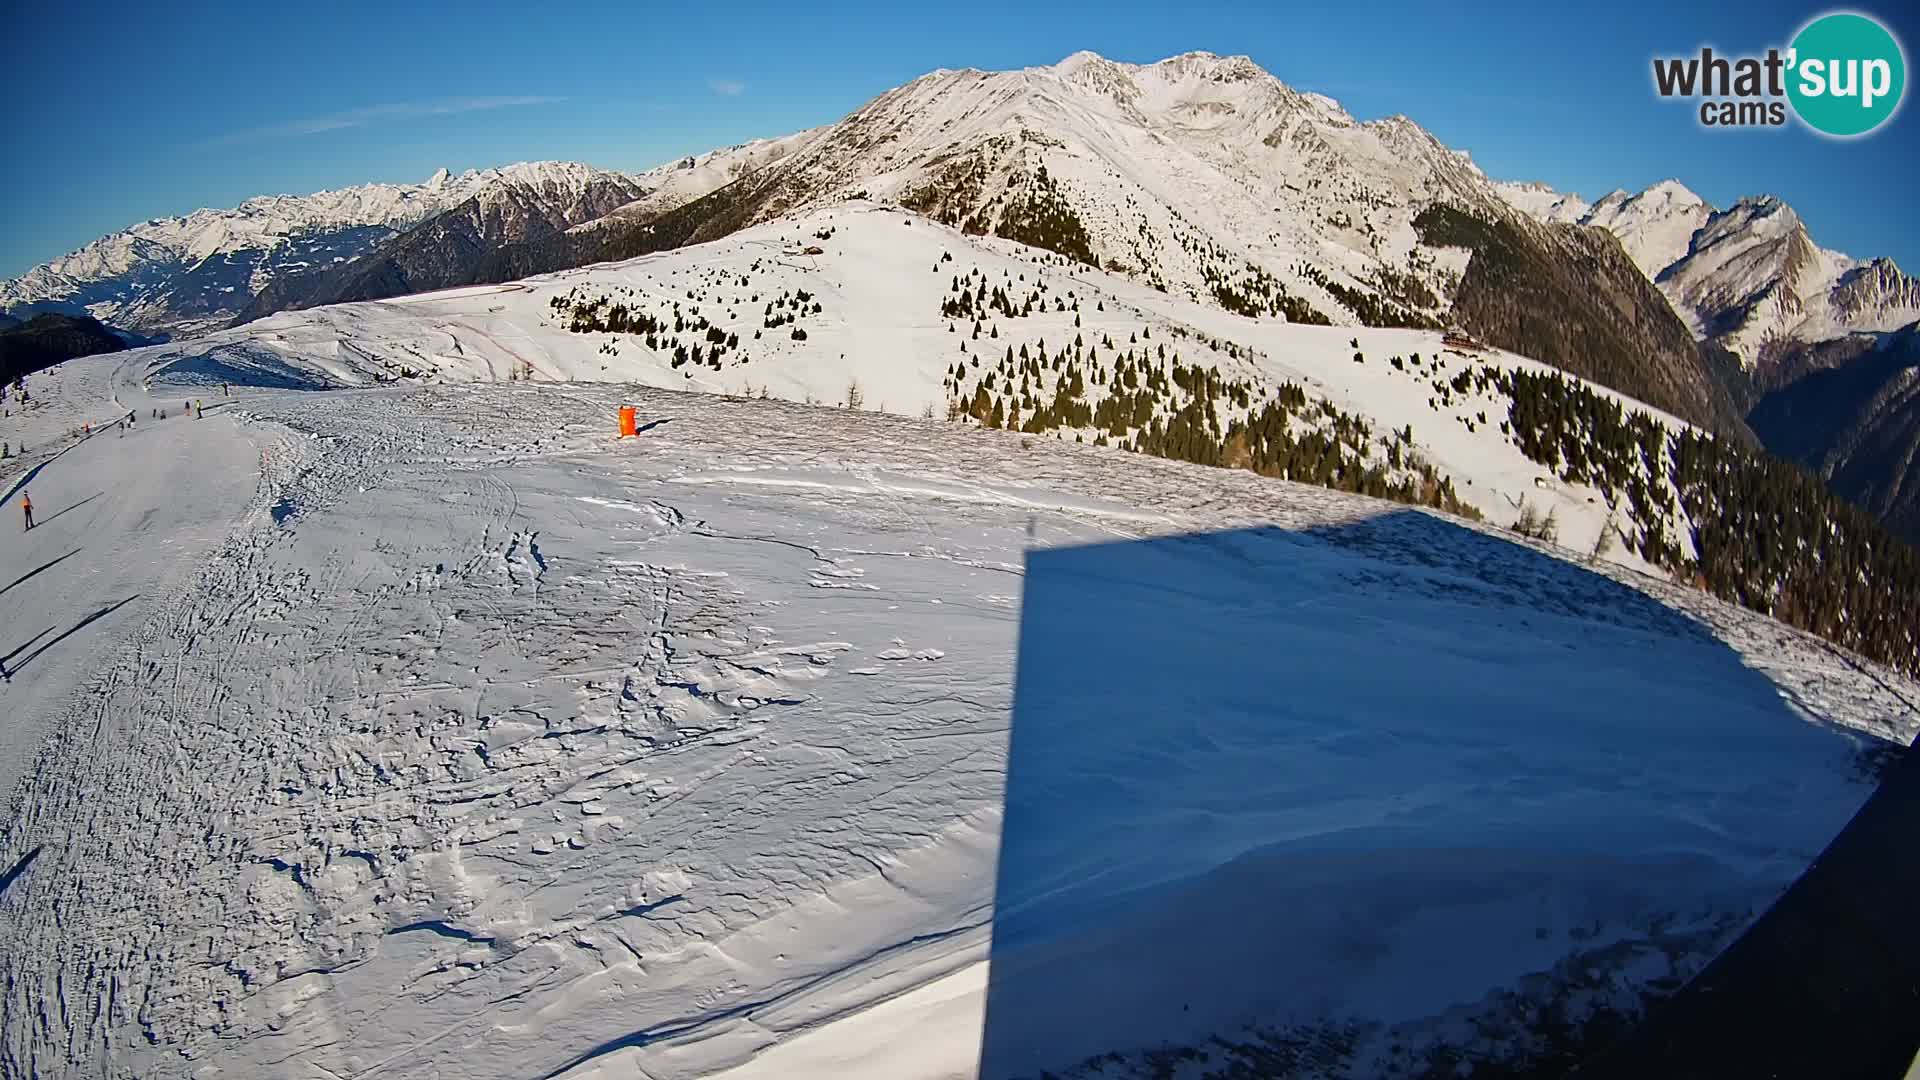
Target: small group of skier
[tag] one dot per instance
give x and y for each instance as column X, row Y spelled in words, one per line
column 196, row 407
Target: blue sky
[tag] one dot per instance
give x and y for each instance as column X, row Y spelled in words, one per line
column 123, row 112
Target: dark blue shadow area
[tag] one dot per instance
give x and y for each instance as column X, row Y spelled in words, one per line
column 7, row 879
column 1264, row 785
column 1826, row 983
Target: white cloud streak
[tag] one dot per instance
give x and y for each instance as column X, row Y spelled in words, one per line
column 375, row 114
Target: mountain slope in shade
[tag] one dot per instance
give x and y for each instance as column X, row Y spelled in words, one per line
column 1570, row 295
column 1748, row 278
column 48, row 339
column 1856, row 421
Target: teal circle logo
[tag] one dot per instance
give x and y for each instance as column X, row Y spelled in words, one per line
column 1847, row 76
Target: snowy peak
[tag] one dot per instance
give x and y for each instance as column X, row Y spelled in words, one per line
column 190, row 273
column 1875, row 293
column 1543, row 203
column 1086, row 61
column 1655, row 226
column 1764, row 215
column 1748, row 277
column 1194, row 66
column 1202, row 173
column 1667, row 196
column 1673, row 193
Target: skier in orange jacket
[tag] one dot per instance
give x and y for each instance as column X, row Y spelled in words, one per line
column 26, row 504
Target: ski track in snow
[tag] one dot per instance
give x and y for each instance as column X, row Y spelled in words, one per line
column 472, row 742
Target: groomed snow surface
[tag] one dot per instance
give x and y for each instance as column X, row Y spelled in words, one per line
column 442, row 734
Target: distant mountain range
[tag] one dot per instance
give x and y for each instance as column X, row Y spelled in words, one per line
column 1748, row 278
column 1823, row 345
column 1201, row 175
column 186, row 275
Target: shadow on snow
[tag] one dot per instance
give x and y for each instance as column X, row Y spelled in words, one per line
column 49, row 519
column 7, row 879
column 42, row 568
column 14, row 668
column 1262, row 780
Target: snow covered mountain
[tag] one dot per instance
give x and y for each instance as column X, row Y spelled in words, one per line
column 1656, row 227
column 1206, row 177
column 1748, row 278
column 1200, row 175
column 182, row 275
column 509, row 230
column 462, row 243
column 1756, row 281
column 1542, row 202
column 677, row 183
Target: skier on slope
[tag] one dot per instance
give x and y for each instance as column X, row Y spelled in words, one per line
column 26, row 504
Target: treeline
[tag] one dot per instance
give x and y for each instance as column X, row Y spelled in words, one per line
column 1370, row 309
column 1143, row 397
column 684, row 335
column 1045, row 219
column 1773, row 538
column 1256, row 293
column 1766, row 534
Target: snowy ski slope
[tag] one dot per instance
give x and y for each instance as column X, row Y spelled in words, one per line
column 450, row 736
